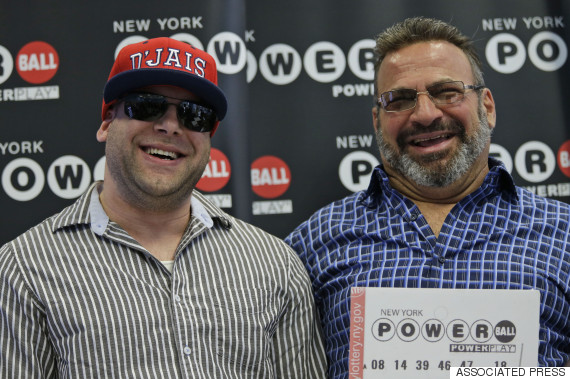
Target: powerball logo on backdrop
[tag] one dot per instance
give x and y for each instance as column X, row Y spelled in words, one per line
column 270, row 179
column 36, row 63
column 215, row 177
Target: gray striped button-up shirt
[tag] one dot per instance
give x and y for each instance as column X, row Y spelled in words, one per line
column 80, row 298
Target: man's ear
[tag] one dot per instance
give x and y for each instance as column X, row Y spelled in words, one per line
column 104, row 128
column 489, row 105
column 375, row 116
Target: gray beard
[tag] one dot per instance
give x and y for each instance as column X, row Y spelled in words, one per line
column 439, row 175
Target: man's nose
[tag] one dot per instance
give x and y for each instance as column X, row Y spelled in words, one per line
column 169, row 122
column 425, row 111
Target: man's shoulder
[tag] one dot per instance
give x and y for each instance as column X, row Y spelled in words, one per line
column 531, row 198
column 73, row 214
column 24, row 244
column 237, row 226
column 348, row 205
column 543, row 209
column 344, row 210
column 37, row 232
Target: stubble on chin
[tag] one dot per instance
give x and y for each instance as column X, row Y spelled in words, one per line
column 164, row 193
column 145, row 189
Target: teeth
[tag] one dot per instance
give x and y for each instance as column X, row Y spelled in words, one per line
column 161, row 153
column 430, row 139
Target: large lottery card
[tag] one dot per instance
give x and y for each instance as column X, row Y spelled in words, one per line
column 421, row 333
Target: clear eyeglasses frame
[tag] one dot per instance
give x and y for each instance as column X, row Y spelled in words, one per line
column 441, row 94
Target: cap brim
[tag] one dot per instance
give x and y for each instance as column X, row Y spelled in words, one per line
column 133, row 79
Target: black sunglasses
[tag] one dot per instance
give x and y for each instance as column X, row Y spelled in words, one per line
column 151, row 107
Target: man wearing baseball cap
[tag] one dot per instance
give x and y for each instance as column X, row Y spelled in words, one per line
column 142, row 276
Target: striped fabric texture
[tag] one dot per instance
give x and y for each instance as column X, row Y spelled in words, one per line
column 81, row 299
column 499, row 237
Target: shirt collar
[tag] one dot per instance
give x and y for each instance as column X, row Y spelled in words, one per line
column 200, row 212
column 77, row 213
column 499, row 178
column 88, row 210
column 100, row 220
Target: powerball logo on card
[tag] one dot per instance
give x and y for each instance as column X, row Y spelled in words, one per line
column 481, row 331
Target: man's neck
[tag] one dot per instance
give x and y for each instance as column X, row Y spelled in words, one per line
column 158, row 231
column 435, row 203
column 450, row 194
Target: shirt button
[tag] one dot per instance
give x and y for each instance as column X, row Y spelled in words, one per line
column 413, row 217
column 441, row 259
column 187, row 350
column 177, row 298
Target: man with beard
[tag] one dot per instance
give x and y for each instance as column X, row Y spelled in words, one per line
column 143, row 277
column 439, row 212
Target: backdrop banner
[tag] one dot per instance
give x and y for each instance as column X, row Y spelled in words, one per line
column 299, row 80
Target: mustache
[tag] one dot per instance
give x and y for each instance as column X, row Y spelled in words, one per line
column 451, row 126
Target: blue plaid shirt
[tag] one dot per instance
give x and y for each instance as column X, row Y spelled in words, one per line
column 498, row 237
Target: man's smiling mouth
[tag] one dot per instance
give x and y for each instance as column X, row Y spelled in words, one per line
column 162, row 154
column 427, row 142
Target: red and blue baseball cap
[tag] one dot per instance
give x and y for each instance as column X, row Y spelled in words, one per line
column 165, row 61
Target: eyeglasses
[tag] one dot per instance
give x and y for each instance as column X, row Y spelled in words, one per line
column 399, row 100
column 151, row 107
